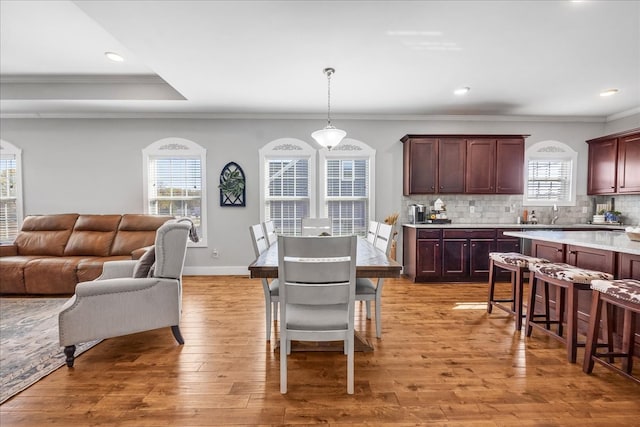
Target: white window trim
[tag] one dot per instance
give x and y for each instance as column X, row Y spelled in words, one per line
column 287, row 148
column 8, row 148
column 178, row 147
column 350, row 149
column 555, row 150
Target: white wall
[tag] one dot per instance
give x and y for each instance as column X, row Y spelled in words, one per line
column 95, row 165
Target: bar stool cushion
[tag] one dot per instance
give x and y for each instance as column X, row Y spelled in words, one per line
column 514, row 258
column 569, row 273
column 623, row 289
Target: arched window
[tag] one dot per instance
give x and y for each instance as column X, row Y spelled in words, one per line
column 347, row 186
column 174, row 181
column 288, row 190
column 550, row 174
column 11, row 213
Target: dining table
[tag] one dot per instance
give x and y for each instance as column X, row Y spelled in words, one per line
column 371, row 262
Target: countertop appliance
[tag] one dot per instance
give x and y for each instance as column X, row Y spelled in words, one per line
column 417, row 213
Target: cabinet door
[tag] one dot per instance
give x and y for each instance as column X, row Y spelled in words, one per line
column 601, row 177
column 591, row 259
column 428, row 259
column 554, row 252
column 629, row 267
column 481, row 166
column 629, row 164
column 509, row 166
column 420, row 163
column 451, row 161
column 455, row 258
column 479, row 257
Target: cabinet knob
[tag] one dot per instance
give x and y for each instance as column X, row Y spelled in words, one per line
column 441, row 187
column 613, row 186
column 559, row 250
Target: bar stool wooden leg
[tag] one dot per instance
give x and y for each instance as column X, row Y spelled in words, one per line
column 492, row 285
column 572, row 324
column 592, row 333
column 547, row 310
column 531, row 308
column 517, row 297
column 628, row 340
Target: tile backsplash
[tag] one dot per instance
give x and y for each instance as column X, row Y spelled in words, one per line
column 505, row 209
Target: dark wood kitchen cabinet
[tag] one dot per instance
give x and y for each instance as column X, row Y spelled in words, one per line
column 422, row 254
column 495, row 166
column 465, row 254
column 614, row 164
column 432, row 165
column 463, row 164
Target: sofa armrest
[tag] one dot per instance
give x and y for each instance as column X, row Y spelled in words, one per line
column 8, row 250
column 137, row 253
column 117, row 269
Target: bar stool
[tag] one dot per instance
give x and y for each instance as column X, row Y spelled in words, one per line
column 517, row 264
column 625, row 294
column 568, row 280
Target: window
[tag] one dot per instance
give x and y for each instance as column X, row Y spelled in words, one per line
column 174, row 181
column 10, row 191
column 347, row 186
column 551, row 174
column 287, row 168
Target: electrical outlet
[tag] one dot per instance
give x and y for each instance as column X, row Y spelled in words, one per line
column 215, row 254
column 585, row 209
column 472, row 209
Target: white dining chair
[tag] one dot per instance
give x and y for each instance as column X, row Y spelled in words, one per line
column 316, row 227
column 366, row 290
column 270, row 232
column 271, row 290
column 317, row 295
column 372, row 232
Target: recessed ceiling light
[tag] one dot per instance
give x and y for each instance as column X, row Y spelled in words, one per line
column 462, row 90
column 609, row 92
column 114, row 56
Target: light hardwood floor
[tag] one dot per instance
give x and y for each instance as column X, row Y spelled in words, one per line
column 441, row 361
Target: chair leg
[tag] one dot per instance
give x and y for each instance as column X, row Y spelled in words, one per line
column 378, row 317
column 628, row 340
column 175, row 329
column 572, row 324
column 532, row 303
column 69, row 352
column 368, row 306
column 267, row 307
column 275, row 311
column 517, row 298
column 561, row 303
column 350, row 363
column 283, row 364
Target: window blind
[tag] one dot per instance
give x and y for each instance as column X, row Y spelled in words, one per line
column 347, row 195
column 8, row 198
column 175, row 187
column 287, row 194
column 549, row 180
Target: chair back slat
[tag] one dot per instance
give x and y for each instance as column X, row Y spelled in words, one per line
column 383, row 238
column 372, row 232
column 258, row 239
column 315, row 226
column 270, row 232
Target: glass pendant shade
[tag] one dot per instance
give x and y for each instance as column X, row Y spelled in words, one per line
column 328, row 137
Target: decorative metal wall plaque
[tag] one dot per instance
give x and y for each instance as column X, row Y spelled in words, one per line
column 232, row 185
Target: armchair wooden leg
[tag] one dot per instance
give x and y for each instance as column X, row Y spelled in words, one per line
column 69, row 352
column 177, row 335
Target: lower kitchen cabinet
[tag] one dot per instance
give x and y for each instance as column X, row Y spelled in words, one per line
column 465, row 254
column 629, row 268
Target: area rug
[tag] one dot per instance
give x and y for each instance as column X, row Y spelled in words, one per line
column 29, row 348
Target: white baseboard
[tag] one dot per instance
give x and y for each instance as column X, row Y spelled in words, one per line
column 230, row 270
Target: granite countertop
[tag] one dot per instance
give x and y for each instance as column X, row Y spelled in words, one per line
column 519, row 226
column 606, row 240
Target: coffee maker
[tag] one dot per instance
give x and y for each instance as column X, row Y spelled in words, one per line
column 417, row 213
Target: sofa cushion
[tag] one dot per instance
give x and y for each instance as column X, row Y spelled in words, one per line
column 136, row 231
column 53, row 275
column 45, row 235
column 144, row 264
column 92, row 235
column 12, row 281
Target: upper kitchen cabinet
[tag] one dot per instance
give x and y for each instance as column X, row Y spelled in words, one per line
column 432, row 164
column 463, row 164
column 614, row 164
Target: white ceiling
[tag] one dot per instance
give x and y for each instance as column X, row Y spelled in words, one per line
column 265, row 58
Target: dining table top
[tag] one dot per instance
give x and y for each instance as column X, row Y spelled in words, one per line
column 370, row 262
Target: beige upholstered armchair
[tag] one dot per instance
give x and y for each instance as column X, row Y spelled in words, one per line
column 129, row 296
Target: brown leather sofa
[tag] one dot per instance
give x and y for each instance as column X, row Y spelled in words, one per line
column 53, row 253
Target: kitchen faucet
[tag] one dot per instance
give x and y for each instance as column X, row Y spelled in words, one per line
column 555, row 214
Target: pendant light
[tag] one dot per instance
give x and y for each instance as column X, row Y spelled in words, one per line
column 328, row 137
